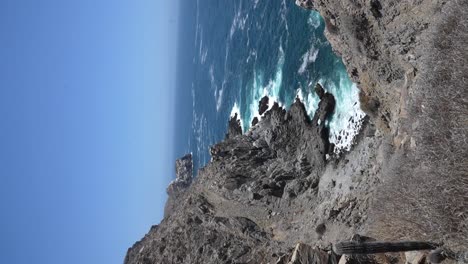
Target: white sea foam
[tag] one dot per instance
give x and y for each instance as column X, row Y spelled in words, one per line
column 258, row 90
column 257, row 93
column 197, row 22
column 284, row 19
column 252, row 54
column 199, row 126
column 212, row 78
column 200, row 47
column 309, row 57
column 236, row 110
column 203, row 56
column 193, row 96
column 347, row 118
column 314, row 20
column 219, row 99
column 300, row 95
column 256, row 3
column 347, row 124
column 311, row 103
column 274, row 86
column 238, row 23
column 218, row 93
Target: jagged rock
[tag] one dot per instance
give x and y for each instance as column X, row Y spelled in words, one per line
column 283, row 259
column 415, row 257
column 184, row 175
column 263, row 105
column 254, row 121
column 272, row 161
column 293, row 189
column 183, row 180
column 325, row 108
column 255, row 196
column 319, row 90
column 305, row 254
column 234, row 127
column 344, row 260
column 184, row 168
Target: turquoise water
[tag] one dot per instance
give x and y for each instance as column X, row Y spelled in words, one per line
column 244, row 50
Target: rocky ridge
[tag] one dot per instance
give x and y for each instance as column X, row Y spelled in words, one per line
column 242, row 205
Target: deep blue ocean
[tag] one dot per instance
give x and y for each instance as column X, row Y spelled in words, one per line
column 234, row 52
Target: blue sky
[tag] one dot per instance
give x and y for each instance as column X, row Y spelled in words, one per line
column 87, row 109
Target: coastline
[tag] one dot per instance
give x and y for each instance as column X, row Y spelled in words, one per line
column 271, row 187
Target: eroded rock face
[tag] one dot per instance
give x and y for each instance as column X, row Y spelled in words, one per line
column 227, row 214
column 379, row 42
column 319, row 90
column 183, row 180
column 184, row 175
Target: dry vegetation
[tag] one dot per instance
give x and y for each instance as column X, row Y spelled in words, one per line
column 426, row 193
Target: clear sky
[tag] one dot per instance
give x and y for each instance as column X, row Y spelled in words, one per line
column 86, row 106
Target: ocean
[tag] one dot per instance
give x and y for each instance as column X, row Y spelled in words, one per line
column 235, row 52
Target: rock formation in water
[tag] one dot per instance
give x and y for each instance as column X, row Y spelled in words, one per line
column 263, row 105
column 234, row 127
column 275, row 194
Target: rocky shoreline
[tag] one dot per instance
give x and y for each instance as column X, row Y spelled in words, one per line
column 277, row 194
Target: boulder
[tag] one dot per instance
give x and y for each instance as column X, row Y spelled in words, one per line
column 415, row 257
column 305, row 254
column 263, row 105
column 319, row 90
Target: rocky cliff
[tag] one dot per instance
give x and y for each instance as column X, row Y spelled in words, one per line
column 275, row 194
column 410, row 65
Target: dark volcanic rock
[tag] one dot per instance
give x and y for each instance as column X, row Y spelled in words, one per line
column 263, row 105
column 234, row 127
column 254, row 121
column 319, row 90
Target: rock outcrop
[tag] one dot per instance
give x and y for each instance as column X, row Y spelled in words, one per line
column 263, row 105
column 234, row 127
column 184, row 175
column 183, row 180
column 234, row 211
